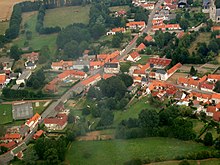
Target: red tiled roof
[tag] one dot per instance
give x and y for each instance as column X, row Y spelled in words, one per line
column 96, row 63
column 62, row 63
column 216, row 95
column 91, row 79
column 207, row 86
column 218, row 106
column 35, row 118
column 160, row 61
column 148, row 38
column 106, row 76
column 38, row 133
column 140, row 23
column 214, row 76
column 118, row 30
column 174, row 68
column 216, row 116
column 67, row 73
column 215, row 28
column 60, row 119
column 134, row 55
column 211, row 109
column 8, row 145
column 2, row 78
column 13, row 136
column 141, row 47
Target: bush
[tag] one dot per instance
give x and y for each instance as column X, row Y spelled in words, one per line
column 135, row 161
column 184, row 162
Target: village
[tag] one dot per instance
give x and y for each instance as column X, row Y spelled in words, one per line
column 153, row 75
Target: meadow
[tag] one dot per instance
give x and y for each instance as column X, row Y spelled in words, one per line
column 5, row 114
column 3, row 27
column 67, row 15
column 113, row 152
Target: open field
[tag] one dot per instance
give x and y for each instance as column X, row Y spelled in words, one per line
column 173, row 79
column 203, row 37
column 118, row 8
column 113, row 152
column 67, row 15
column 37, row 41
column 40, row 108
column 5, row 114
column 6, row 7
column 3, row 27
column 192, row 162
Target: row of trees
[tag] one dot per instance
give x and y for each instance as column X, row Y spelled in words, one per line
column 37, row 80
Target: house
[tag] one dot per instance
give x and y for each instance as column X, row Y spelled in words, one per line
column 91, row 80
column 134, row 57
column 159, row 63
column 72, row 73
column 96, row 64
column 8, row 145
column 112, row 67
column 136, row 25
column 210, row 110
column 16, row 137
column 141, row 47
column 216, row 116
column 106, row 76
column 62, row 65
column 56, row 123
column 215, row 28
column 120, row 13
column 213, row 78
column 38, row 134
column 32, row 57
column 172, row 70
column 23, row 77
column 207, row 87
column 33, row 122
column 7, row 63
column 137, row 79
column 161, row 74
column 51, row 86
column 182, row 3
column 22, row 110
column 214, row 13
column 30, row 65
column 116, row 30
column 216, row 97
column 3, row 80
column 148, row 38
column 80, row 64
column 148, row 6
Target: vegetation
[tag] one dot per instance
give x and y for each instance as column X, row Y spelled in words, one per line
column 91, row 152
column 5, row 113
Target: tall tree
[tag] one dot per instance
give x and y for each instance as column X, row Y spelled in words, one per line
column 15, row 52
column 208, row 139
column 217, row 87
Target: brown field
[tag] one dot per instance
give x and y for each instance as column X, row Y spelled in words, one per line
column 173, row 79
column 6, row 7
column 95, row 135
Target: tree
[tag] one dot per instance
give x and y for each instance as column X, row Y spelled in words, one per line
column 28, row 35
column 86, row 69
column 116, row 41
column 217, row 86
column 15, row 52
column 30, row 156
column 208, row 139
column 125, row 67
column 107, row 118
column 44, row 55
column 71, row 49
column 51, row 156
column 128, row 81
column 70, row 118
column 193, row 71
column 184, row 24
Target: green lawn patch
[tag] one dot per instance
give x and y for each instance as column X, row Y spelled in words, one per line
column 3, row 27
column 118, row 8
column 40, row 108
column 67, row 15
column 143, row 60
column 5, row 114
column 118, row 151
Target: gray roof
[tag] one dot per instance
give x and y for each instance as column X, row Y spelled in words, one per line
column 24, row 130
column 206, row 2
column 183, row 1
column 22, row 111
column 111, row 65
column 81, row 62
column 29, row 64
column 25, row 75
column 218, row 12
column 161, row 71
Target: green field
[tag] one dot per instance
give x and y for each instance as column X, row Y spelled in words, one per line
column 118, row 151
column 5, row 114
column 192, row 162
column 3, row 27
column 37, row 41
column 67, row 15
column 118, row 8
column 40, row 108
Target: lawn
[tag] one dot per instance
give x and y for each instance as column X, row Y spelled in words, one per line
column 143, row 60
column 203, row 37
column 37, row 41
column 192, row 162
column 118, row 8
column 3, row 27
column 40, row 108
column 5, row 114
column 132, row 111
column 118, row 151
column 67, row 15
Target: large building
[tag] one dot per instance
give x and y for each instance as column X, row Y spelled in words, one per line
column 22, row 110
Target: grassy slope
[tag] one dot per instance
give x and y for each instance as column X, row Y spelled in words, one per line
column 119, row 151
column 3, row 27
column 192, row 162
column 67, row 15
column 7, row 117
column 118, row 8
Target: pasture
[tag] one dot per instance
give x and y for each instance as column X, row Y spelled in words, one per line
column 67, row 15
column 5, row 113
column 3, row 27
column 113, row 152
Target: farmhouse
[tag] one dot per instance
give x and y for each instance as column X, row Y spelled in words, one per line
column 57, row 123
column 111, row 67
column 22, row 110
column 23, row 77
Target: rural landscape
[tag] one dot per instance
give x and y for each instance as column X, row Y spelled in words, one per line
column 115, row 82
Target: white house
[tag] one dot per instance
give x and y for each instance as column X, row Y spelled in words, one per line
column 161, row 74
column 112, row 67
column 23, row 77
column 134, row 57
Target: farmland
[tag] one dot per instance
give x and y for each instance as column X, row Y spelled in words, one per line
column 113, row 151
column 67, row 15
column 5, row 114
column 3, row 27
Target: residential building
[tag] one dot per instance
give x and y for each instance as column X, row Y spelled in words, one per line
column 161, row 74
column 2, row 80
column 141, row 47
column 111, row 67
column 95, row 64
column 91, row 80
column 148, row 38
column 136, row 25
column 7, row 63
column 32, row 57
column 23, row 77
column 62, row 65
column 159, row 63
column 213, row 78
column 116, row 30
column 57, row 123
column 33, row 122
column 72, row 73
column 214, row 13
column 38, row 134
column 80, row 64
column 9, row 137
column 30, row 65
column 134, row 57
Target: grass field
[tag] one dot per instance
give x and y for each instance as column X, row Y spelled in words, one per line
column 5, row 114
column 37, row 41
column 40, row 108
column 67, row 15
column 3, row 27
column 203, row 37
column 118, row 151
column 192, row 162
column 143, row 60
column 118, row 8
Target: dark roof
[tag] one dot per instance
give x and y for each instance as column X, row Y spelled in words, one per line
column 182, row 1
column 111, row 65
column 206, row 2
column 30, row 64
column 161, row 71
column 218, row 12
